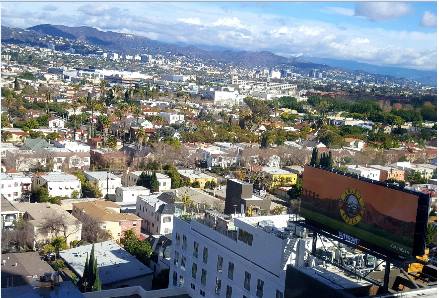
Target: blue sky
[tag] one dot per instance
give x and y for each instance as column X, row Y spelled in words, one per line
column 383, row 33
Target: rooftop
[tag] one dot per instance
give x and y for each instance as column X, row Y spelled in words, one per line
column 115, row 264
column 40, row 212
column 192, row 174
column 58, row 177
column 100, row 210
column 133, row 188
column 275, row 171
column 162, row 176
column 23, row 267
column 7, row 206
column 101, row 175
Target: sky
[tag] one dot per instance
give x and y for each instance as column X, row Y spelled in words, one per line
column 399, row 34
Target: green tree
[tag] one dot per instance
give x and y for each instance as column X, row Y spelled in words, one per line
column 431, row 234
column 142, row 250
column 314, row 157
column 172, row 172
column 58, row 243
column 42, row 195
column 296, row 190
column 75, row 194
column 154, row 183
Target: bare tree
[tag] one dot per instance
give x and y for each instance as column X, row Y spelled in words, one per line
column 92, row 232
column 57, row 225
column 18, row 239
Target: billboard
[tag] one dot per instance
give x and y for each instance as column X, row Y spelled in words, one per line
column 391, row 221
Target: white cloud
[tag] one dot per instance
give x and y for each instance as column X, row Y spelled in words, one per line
column 378, row 11
column 233, row 22
column 429, row 19
column 198, row 24
column 191, row 21
column 340, row 10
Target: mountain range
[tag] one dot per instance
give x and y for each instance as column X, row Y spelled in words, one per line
column 131, row 44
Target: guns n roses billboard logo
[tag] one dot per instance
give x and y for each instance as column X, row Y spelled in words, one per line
column 351, row 207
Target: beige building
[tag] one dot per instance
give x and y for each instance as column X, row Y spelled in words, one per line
column 108, row 215
column 49, row 221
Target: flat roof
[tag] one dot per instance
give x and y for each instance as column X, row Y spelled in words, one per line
column 28, row 265
column 101, row 175
column 132, row 188
column 115, row 264
column 58, row 177
column 274, row 171
column 191, row 174
column 41, row 211
column 101, row 211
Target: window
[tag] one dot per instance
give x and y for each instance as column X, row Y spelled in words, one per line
column 184, row 242
column 247, row 280
column 218, row 286
column 181, row 281
column 279, row 294
column 229, row 292
column 196, row 249
column 205, row 255
column 230, row 271
column 203, row 277
column 192, row 286
column 167, row 219
column 174, row 278
column 183, row 262
column 219, row 264
column 194, row 270
column 177, row 238
column 177, row 256
column 245, row 237
column 202, row 293
column 260, row 288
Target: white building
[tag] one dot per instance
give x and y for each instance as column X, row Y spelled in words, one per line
column 172, row 118
column 58, row 184
column 56, row 123
column 225, row 97
column 365, row 172
column 105, row 181
column 14, row 185
column 131, row 178
column 213, row 156
column 219, row 256
column 157, row 215
column 126, row 197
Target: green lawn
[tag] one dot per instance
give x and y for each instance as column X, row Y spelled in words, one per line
column 355, row 231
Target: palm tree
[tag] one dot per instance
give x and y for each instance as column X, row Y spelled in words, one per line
column 140, row 136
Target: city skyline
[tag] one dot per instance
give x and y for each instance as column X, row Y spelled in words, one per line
column 404, row 36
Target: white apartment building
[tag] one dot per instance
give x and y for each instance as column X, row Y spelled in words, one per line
column 172, row 118
column 225, row 97
column 131, row 178
column 220, row 256
column 57, row 184
column 126, row 197
column 164, row 182
column 365, row 172
column 105, row 181
column 156, row 214
column 56, row 123
column 13, row 185
column 215, row 157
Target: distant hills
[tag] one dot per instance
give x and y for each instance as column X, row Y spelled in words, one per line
column 130, row 44
column 425, row 76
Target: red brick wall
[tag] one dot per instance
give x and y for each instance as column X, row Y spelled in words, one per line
column 128, row 225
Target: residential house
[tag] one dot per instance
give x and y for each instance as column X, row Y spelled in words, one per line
column 156, row 214
column 172, row 118
column 106, row 182
column 107, row 214
column 365, row 172
column 9, row 214
column 389, row 173
column 126, row 197
column 213, row 156
column 117, row 268
column 56, row 123
column 279, row 177
column 15, row 186
column 16, row 135
column 39, row 214
column 58, row 184
column 196, row 176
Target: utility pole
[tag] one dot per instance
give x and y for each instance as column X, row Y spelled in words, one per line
column 107, row 183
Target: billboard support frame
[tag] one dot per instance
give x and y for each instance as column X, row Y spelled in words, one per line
column 385, row 284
